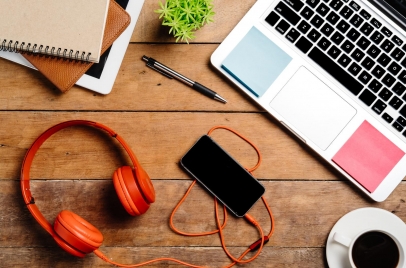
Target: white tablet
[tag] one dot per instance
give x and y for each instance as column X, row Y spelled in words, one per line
column 101, row 76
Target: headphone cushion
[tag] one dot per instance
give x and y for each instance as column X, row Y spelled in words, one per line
column 129, row 192
column 77, row 232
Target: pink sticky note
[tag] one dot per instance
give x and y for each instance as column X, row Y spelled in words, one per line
column 368, row 156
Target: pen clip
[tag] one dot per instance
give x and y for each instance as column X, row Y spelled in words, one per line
column 159, row 71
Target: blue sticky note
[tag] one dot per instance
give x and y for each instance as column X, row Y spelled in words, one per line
column 256, row 62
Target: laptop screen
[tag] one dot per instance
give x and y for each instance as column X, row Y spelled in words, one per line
column 396, row 9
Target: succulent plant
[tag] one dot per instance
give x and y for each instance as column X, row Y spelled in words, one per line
column 184, row 17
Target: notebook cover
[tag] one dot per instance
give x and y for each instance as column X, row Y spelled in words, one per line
column 65, row 73
column 74, row 25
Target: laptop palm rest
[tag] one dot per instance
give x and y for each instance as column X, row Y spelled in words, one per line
column 314, row 110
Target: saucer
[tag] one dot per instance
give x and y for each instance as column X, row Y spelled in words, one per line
column 356, row 221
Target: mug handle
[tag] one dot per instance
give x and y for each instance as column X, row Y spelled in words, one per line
column 345, row 241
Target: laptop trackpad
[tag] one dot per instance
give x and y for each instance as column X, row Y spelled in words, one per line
column 312, row 108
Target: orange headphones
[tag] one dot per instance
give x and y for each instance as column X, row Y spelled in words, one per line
column 135, row 191
column 72, row 233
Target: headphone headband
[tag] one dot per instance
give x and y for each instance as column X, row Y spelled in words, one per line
column 29, row 157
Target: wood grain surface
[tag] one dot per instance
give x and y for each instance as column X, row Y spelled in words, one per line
column 160, row 119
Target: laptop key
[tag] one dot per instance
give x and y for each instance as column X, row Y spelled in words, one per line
column 387, row 118
column 368, row 63
column 292, row 35
column 272, row 18
column 357, row 54
column 394, row 68
column 366, row 29
column 354, row 69
column 377, row 37
column 354, row 6
column 353, row 34
column 316, row 21
column 344, row 60
column 282, row 26
column 333, row 18
column 384, row 59
column 335, row 71
column 399, row 89
column 334, row 52
column 304, row 27
column 295, row 4
column 324, row 43
column 303, row 44
column 363, row 43
column 346, row 12
column 378, row 71
column 388, row 80
column 387, row 45
column 322, row 9
column 401, row 120
column 347, row 46
column 312, row 3
column 367, row 97
column 395, row 102
column 376, row 23
column 337, row 38
column 397, row 40
column 356, row 21
column 373, row 51
column 364, row 77
column 402, row 77
column 385, row 94
column 336, row 4
column 379, row 106
column 397, row 126
column 343, row 26
column 287, row 13
column 397, row 54
column 375, row 85
column 403, row 111
column 307, row 13
column 365, row 14
column 314, row 35
column 386, row 31
column 327, row 29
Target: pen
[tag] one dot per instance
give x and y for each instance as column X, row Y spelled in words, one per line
column 168, row 72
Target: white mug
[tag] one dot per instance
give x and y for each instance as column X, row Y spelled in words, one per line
column 349, row 243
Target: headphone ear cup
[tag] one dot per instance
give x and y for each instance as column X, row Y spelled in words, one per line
column 128, row 191
column 75, row 235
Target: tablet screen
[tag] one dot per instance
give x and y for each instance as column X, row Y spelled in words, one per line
column 97, row 69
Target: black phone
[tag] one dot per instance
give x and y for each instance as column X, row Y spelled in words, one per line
column 223, row 176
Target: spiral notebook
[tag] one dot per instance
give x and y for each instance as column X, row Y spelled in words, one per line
column 71, row 29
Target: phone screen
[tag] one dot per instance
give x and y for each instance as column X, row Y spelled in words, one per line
column 224, row 177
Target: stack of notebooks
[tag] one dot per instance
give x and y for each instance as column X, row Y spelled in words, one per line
column 62, row 39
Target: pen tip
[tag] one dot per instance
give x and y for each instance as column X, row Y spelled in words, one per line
column 219, row 98
column 145, row 58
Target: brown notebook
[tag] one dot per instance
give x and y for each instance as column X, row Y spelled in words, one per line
column 64, row 73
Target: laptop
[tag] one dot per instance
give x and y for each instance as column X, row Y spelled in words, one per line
column 333, row 72
column 101, row 76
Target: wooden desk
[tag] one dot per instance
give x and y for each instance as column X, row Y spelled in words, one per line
column 160, row 119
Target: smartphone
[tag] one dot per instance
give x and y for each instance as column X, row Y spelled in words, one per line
column 223, row 176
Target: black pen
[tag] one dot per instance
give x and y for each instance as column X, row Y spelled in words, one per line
column 168, row 72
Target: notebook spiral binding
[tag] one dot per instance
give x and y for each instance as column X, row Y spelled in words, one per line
column 40, row 50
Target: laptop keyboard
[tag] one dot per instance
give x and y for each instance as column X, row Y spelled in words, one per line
column 352, row 46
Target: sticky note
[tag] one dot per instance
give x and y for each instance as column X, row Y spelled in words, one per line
column 368, row 156
column 256, row 62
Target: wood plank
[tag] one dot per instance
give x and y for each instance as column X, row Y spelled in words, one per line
column 159, row 139
column 228, row 13
column 270, row 257
column 304, row 213
column 137, row 87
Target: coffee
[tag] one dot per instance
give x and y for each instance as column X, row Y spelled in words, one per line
column 375, row 249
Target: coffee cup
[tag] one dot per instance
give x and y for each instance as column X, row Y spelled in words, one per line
column 373, row 248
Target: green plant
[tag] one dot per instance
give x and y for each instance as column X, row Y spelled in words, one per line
column 184, row 17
